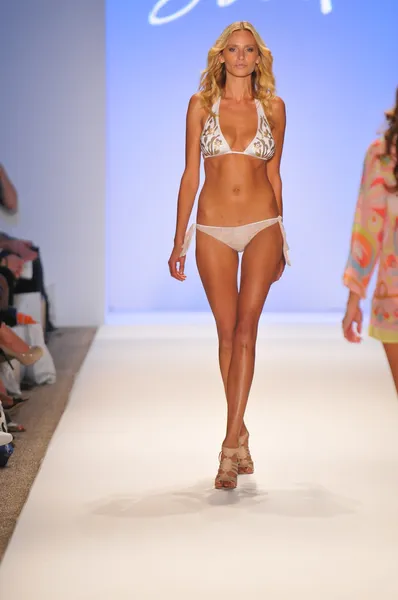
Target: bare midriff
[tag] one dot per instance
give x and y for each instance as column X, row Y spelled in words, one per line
column 236, row 192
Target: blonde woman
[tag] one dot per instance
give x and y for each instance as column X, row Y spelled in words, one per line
column 238, row 124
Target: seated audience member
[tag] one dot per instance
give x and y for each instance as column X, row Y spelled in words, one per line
column 14, row 253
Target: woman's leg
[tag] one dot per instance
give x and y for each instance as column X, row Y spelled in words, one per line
column 391, row 351
column 218, row 270
column 10, row 340
column 260, row 261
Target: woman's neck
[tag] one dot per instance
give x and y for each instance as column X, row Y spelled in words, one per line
column 238, row 89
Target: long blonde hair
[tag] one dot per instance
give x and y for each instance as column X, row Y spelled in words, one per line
column 213, row 78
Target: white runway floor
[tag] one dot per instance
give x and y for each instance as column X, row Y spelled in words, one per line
column 124, row 506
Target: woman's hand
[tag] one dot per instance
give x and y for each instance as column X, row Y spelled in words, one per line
column 352, row 321
column 14, row 263
column 22, row 249
column 177, row 264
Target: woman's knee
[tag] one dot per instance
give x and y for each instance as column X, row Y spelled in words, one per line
column 226, row 335
column 246, row 331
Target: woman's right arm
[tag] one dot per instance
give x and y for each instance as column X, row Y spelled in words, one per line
column 189, row 183
column 366, row 240
column 367, row 231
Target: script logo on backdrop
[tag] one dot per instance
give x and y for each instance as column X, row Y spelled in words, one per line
column 154, row 19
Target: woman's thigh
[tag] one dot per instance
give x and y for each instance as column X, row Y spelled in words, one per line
column 260, row 262
column 218, row 269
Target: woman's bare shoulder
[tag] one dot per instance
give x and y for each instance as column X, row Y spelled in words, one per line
column 278, row 106
column 196, row 113
column 196, row 103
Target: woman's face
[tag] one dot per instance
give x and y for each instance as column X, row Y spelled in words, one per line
column 240, row 54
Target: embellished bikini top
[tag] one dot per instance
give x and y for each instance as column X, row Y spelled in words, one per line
column 213, row 143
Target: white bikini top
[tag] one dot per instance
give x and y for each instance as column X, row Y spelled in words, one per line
column 213, row 143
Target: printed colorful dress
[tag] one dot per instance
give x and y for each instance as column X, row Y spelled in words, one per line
column 375, row 240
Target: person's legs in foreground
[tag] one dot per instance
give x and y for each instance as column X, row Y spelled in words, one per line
column 237, row 316
column 391, row 351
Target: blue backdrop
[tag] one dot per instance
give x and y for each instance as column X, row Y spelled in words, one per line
column 335, row 66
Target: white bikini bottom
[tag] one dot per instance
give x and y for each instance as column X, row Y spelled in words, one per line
column 237, row 238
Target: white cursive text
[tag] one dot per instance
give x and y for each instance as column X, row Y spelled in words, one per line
column 325, row 6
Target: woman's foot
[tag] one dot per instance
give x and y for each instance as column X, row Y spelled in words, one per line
column 227, row 476
column 9, row 402
column 6, row 401
column 245, row 461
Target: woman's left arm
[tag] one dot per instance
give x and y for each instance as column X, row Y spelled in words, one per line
column 273, row 165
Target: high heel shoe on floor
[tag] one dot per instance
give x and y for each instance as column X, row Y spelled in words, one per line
column 10, row 402
column 227, row 476
column 12, row 426
column 245, row 461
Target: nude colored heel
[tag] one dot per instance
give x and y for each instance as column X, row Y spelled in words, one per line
column 245, row 461
column 227, row 476
column 25, row 358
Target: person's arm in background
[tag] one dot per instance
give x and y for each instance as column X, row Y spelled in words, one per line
column 366, row 240
column 9, row 201
column 8, row 193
